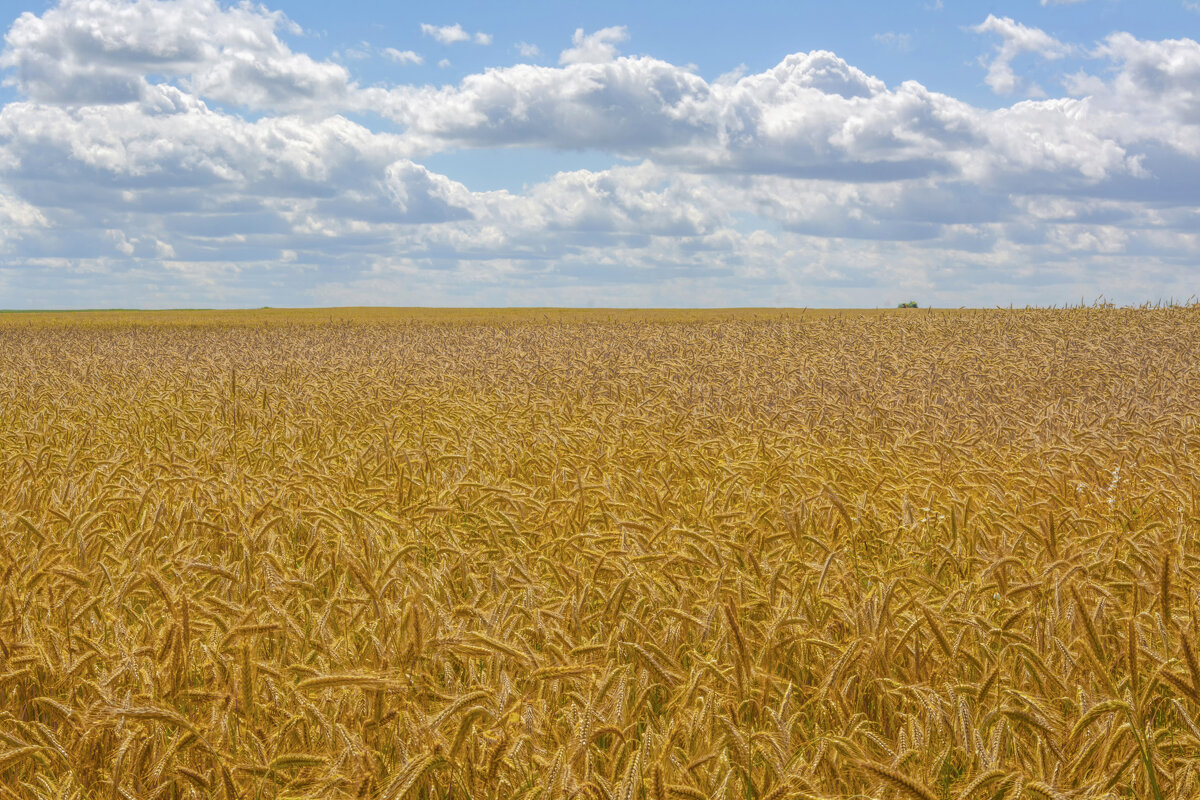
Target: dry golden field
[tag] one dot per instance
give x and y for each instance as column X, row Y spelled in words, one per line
column 617, row 555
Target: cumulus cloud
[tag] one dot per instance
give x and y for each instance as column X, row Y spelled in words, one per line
column 811, row 116
column 178, row 180
column 1147, row 100
column 1015, row 40
column 1163, row 73
column 594, row 48
column 110, row 51
column 452, row 34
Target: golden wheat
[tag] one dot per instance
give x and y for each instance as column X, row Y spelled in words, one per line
column 498, row 554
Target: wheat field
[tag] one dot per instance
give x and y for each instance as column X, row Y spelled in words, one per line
column 615, row 555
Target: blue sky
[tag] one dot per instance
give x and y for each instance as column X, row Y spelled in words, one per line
column 166, row 153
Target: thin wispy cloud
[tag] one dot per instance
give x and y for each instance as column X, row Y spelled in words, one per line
column 402, row 56
column 901, row 42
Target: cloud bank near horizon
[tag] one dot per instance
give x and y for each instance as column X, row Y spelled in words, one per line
column 171, row 152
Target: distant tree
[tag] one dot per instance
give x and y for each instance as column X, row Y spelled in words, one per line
column 909, row 304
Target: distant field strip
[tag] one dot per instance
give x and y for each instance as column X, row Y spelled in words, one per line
column 360, row 553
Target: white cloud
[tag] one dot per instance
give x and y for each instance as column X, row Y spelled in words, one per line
column 594, row 48
column 175, row 177
column 403, row 56
column 528, row 50
column 1148, row 102
column 1162, row 75
column 812, row 115
column 446, row 34
column 109, row 51
column 1016, row 39
column 452, row 34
